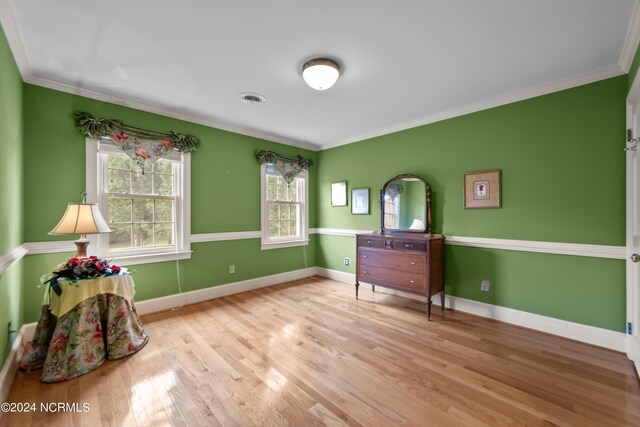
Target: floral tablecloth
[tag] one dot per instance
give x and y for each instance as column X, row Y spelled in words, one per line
column 102, row 326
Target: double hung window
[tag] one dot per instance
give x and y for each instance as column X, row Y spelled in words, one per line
column 284, row 209
column 148, row 212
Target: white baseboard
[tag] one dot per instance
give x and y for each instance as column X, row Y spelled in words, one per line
column 172, row 301
column 575, row 331
column 154, row 305
column 588, row 334
column 8, row 372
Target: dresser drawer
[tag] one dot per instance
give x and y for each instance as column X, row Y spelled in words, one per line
column 395, row 278
column 412, row 263
column 371, row 242
column 409, row 245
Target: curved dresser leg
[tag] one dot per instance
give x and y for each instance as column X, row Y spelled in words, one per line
column 373, row 288
column 357, row 286
column 429, row 308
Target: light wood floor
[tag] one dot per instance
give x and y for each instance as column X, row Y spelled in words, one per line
column 307, row 353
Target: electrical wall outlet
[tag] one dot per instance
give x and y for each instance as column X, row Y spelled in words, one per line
column 484, row 285
column 347, row 261
column 232, row 269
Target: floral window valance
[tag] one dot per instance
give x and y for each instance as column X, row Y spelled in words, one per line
column 393, row 190
column 145, row 147
column 289, row 167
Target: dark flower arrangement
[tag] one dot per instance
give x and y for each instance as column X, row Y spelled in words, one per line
column 81, row 268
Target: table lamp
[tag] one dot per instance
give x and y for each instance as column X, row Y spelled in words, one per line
column 82, row 219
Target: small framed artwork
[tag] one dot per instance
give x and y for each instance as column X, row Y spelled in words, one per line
column 360, row 201
column 339, row 193
column 482, row 189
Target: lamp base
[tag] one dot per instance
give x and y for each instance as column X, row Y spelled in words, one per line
column 81, row 245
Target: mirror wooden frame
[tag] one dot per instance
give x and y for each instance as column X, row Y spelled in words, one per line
column 427, row 196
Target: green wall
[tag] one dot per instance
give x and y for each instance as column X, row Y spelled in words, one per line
column 563, row 175
column 225, row 176
column 225, row 196
column 11, row 146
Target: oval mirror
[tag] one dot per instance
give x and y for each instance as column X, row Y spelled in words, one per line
column 405, row 204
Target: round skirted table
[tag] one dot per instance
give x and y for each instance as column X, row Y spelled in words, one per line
column 90, row 321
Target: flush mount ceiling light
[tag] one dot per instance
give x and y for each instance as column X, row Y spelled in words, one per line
column 320, row 73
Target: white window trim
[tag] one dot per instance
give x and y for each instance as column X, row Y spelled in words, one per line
column 95, row 174
column 265, row 242
column 396, row 211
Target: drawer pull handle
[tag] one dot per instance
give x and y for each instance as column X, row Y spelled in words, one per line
column 408, row 246
column 364, row 256
column 369, row 242
column 364, row 271
column 413, row 263
column 413, row 282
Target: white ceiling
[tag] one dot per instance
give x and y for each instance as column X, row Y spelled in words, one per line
column 404, row 63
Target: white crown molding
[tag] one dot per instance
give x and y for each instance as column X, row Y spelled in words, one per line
column 163, row 111
column 10, row 24
column 8, row 259
column 575, row 331
column 631, row 40
column 9, row 21
column 579, row 249
column 192, row 297
column 489, row 103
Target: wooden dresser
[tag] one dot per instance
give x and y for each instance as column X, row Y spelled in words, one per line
column 408, row 262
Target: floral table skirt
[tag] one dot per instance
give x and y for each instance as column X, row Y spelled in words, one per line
column 104, row 326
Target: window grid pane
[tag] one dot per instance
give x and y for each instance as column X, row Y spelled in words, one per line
column 140, row 222
column 284, row 219
column 284, row 204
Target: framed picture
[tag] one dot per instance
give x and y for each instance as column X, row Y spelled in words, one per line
column 360, row 201
column 339, row 193
column 482, row 189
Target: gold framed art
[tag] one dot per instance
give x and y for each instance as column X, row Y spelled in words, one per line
column 482, row 189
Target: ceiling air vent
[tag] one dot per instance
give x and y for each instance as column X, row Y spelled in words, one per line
column 252, row 98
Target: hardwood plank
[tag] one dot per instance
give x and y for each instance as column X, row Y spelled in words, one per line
column 306, row 353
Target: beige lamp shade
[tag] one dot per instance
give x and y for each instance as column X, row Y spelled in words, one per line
column 81, row 219
column 417, row 224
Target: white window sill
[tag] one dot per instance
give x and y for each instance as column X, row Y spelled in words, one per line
column 125, row 260
column 287, row 244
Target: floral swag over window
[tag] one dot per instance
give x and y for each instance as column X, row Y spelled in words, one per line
column 145, row 147
column 393, row 190
column 289, row 167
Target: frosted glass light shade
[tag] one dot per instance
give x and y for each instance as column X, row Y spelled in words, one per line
column 320, row 74
column 81, row 219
